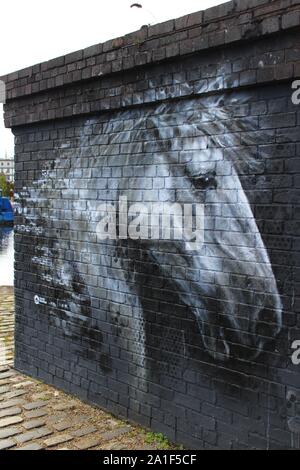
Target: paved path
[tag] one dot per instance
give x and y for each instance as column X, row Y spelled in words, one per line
column 34, row 416
column 6, row 326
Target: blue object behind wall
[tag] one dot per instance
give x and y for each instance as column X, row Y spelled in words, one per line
column 6, row 211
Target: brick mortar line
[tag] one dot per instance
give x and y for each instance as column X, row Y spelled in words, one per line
column 137, row 68
column 11, row 122
column 254, row 20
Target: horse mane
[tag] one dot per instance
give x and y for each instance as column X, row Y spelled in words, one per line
column 207, row 117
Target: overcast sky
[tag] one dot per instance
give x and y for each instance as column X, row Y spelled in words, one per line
column 32, row 31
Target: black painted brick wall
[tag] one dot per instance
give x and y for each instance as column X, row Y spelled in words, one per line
column 75, row 146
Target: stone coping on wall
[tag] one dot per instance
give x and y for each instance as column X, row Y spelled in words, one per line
column 217, row 28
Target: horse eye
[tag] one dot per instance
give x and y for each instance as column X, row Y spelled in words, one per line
column 207, row 181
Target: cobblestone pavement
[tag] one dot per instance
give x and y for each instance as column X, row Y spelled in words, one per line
column 6, row 326
column 34, row 416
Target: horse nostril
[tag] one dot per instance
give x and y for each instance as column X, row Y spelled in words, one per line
column 267, row 323
column 215, row 342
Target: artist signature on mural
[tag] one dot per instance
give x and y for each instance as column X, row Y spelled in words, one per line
column 39, row 300
column 296, row 353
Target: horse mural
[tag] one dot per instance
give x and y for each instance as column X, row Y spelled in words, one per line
column 173, row 153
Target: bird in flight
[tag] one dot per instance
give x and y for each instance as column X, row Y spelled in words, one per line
column 139, row 5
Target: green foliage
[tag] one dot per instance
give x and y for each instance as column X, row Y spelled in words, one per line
column 5, row 186
column 159, row 439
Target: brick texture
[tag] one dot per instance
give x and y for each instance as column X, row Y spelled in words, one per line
column 197, row 346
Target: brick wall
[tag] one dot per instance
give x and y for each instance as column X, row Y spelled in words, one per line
column 196, row 344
